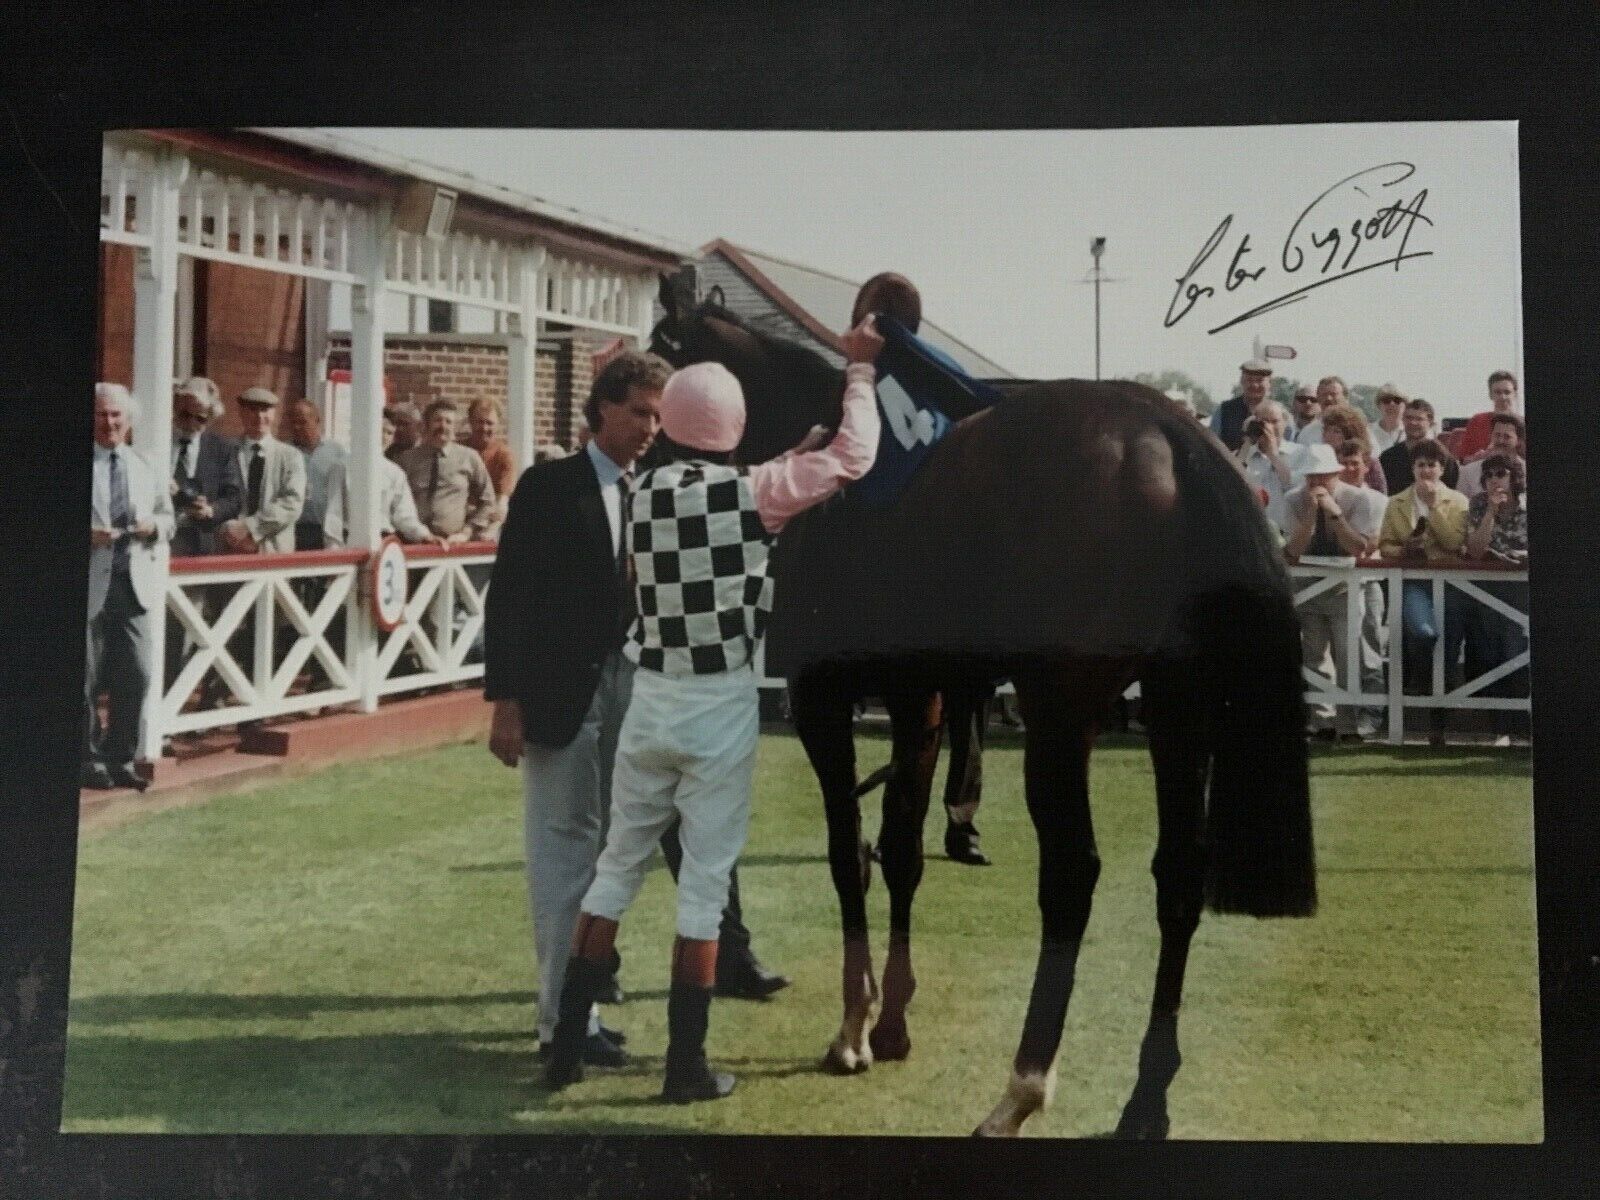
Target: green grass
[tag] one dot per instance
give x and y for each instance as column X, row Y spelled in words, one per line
column 351, row 953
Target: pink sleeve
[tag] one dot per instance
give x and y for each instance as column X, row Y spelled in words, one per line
column 792, row 483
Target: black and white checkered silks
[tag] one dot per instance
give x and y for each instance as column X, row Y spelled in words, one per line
column 700, row 561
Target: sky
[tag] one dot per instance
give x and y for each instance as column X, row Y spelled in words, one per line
column 994, row 228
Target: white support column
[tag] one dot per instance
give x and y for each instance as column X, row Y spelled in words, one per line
column 1397, row 711
column 366, row 442
column 644, row 309
column 522, row 346
column 155, row 295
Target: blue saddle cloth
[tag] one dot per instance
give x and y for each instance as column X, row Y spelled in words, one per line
column 922, row 392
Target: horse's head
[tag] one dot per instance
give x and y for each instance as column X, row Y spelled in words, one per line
column 787, row 387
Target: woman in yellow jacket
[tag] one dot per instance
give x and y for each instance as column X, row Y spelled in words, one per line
column 1427, row 521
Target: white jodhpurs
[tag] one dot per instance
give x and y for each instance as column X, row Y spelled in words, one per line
column 687, row 748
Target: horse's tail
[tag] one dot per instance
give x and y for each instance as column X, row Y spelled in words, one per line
column 1241, row 637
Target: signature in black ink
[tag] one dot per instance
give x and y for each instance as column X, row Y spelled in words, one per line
column 1320, row 226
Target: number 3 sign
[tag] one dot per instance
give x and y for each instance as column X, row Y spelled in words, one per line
column 387, row 583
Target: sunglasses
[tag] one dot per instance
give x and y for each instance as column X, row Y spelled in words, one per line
column 1390, row 400
column 1499, row 473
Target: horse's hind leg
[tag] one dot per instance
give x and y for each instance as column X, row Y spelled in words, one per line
column 1175, row 717
column 1060, row 713
column 914, row 717
column 822, row 710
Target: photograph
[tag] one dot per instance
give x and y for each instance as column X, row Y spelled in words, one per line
column 837, row 633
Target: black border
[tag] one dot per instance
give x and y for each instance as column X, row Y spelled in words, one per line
column 927, row 65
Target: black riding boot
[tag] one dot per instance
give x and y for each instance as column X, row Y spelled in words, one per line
column 584, row 980
column 961, row 844
column 689, row 1076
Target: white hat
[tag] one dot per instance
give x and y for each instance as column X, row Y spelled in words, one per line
column 1320, row 459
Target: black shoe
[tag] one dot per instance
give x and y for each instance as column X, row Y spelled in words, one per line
column 96, row 778
column 615, row 1036
column 123, row 775
column 598, row 1051
column 685, row 1087
column 750, row 981
column 961, row 844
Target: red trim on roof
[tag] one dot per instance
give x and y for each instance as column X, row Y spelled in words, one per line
column 355, row 180
column 773, row 292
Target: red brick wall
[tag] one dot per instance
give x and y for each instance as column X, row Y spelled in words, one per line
column 114, row 357
column 252, row 323
column 423, row 369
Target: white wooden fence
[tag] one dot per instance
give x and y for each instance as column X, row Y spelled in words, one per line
column 256, row 637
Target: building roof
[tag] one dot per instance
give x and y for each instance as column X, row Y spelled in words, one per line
column 341, row 167
column 470, row 185
column 821, row 302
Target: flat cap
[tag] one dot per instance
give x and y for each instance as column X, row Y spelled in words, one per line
column 1256, row 366
column 258, row 397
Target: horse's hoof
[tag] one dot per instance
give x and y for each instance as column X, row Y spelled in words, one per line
column 1143, row 1127
column 887, row 1047
column 990, row 1129
column 846, row 1060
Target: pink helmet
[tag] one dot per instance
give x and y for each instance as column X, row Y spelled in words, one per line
column 702, row 408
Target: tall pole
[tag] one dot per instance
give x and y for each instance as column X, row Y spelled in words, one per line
column 1097, row 247
column 1097, row 322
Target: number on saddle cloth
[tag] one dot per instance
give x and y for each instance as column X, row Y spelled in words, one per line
column 921, row 392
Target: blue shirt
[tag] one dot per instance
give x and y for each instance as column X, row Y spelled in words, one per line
column 609, row 474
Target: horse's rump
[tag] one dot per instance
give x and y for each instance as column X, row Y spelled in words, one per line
column 1055, row 523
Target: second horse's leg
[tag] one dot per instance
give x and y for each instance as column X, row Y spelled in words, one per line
column 966, row 711
column 822, row 711
column 1175, row 717
column 914, row 718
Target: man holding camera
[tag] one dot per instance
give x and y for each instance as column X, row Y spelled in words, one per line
column 1227, row 422
column 207, row 487
column 1272, row 462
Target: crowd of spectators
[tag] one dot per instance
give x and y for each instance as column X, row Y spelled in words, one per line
column 444, row 478
column 1338, row 490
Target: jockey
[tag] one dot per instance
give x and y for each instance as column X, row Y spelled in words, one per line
column 699, row 532
column 966, row 710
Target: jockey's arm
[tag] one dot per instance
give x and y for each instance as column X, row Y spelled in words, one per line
column 792, row 483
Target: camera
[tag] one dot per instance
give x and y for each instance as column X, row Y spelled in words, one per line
column 1254, row 428
column 185, row 496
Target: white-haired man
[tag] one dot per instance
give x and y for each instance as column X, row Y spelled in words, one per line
column 207, row 487
column 1271, row 461
column 130, row 514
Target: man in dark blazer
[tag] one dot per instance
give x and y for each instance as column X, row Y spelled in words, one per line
column 207, row 488
column 1417, row 423
column 559, row 604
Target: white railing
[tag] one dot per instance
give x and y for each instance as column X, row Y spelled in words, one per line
column 254, row 637
column 442, row 622
column 574, row 292
column 261, row 636
column 1451, row 585
column 463, row 268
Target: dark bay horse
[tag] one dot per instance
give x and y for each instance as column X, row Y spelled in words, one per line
column 1075, row 537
